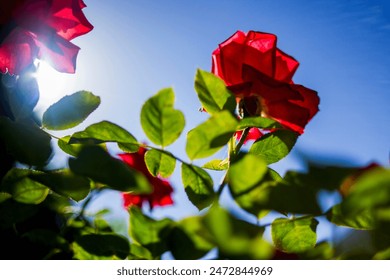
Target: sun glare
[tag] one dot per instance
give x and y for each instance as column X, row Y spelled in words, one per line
column 52, row 85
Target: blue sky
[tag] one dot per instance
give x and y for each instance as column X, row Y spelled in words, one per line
column 140, row 47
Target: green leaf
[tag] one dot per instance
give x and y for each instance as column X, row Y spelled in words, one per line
column 210, row 136
column 149, row 233
column 105, row 245
column 97, row 164
column 70, row 149
column 363, row 220
column 275, row 145
column 23, row 189
column 70, row 110
column 213, row 93
column 246, row 172
column 370, row 191
column 138, row 252
column 198, row 185
column 189, row 239
column 235, row 238
column 4, row 196
column 46, row 238
column 217, row 164
column 65, row 182
column 162, row 123
column 322, row 251
column 103, row 132
column 160, row 163
column 259, row 122
column 294, row 235
column 382, row 255
column 26, row 142
column 248, row 179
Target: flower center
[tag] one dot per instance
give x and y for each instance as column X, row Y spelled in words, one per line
column 252, row 106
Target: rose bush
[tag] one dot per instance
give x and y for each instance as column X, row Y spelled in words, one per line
column 260, row 75
column 40, row 29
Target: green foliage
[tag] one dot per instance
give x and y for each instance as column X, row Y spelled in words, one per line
column 162, row 123
column 210, row 136
column 70, row 110
column 149, row 233
column 26, row 142
column 235, row 238
column 212, row 93
column 98, row 165
column 294, row 235
column 275, row 145
column 104, row 132
column 363, row 220
column 160, row 163
column 198, row 185
column 103, row 245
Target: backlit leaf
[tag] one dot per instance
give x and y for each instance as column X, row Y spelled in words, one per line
column 160, row 163
column 275, row 145
column 198, row 185
column 213, row 93
column 210, row 136
column 162, row 123
column 70, row 110
column 294, row 235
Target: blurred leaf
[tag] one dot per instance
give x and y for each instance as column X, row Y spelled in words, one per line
column 103, row 132
column 198, row 185
column 47, row 237
column 160, row 163
column 235, row 238
column 81, row 254
column 246, row 171
column 322, row 251
column 252, row 195
column 382, row 255
column 105, row 245
column 210, row 136
column 12, row 212
column 213, row 93
column 363, row 220
column 26, row 142
column 23, row 189
column 259, row 122
column 138, row 252
column 22, row 95
column 59, row 204
column 275, row 145
column 217, row 164
column 65, row 182
column 4, row 196
column 97, row 164
column 162, row 123
column 70, row 110
column 294, row 235
column 187, row 240
column 149, row 233
column 370, row 191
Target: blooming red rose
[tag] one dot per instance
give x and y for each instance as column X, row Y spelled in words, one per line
column 260, row 75
column 40, row 29
column 162, row 190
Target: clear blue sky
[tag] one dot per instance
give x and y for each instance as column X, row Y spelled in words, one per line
column 140, row 47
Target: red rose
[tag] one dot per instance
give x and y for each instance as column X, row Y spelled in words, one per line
column 41, row 29
column 162, row 190
column 260, row 75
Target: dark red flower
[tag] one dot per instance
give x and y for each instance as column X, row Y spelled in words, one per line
column 162, row 190
column 260, row 75
column 40, row 29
